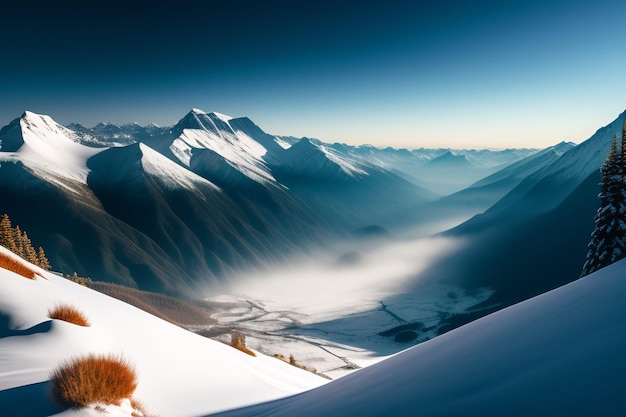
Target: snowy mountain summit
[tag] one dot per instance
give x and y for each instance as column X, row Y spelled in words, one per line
column 46, row 147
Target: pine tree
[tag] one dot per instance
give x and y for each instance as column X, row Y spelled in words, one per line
column 29, row 252
column 608, row 240
column 7, row 234
column 19, row 241
column 42, row 260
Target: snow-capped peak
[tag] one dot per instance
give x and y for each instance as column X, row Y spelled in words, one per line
column 213, row 131
column 47, row 148
column 221, row 116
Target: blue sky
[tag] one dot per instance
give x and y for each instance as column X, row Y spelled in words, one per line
column 394, row 73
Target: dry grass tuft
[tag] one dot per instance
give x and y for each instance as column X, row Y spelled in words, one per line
column 238, row 341
column 9, row 263
column 69, row 314
column 93, row 379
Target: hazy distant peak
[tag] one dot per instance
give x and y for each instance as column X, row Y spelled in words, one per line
column 448, row 158
column 562, row 147
column 304, row 143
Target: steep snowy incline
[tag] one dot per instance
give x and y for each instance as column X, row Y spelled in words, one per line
column 180, row 373
column 558, row 354
column 46, row 147
column 212, row 131
column 306, row 159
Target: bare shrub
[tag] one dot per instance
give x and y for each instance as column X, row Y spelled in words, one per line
column 93, row 379
column 238, row 341
column 9, row 263
column 69, row 314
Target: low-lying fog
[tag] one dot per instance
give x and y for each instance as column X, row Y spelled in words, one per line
column 345, row 278
column 345, row 308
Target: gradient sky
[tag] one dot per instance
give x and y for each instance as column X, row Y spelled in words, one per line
column 446, row 73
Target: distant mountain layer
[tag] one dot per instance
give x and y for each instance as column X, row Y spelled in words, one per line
column 534, row 237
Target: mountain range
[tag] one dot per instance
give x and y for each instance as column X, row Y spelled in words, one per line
column 174, row 209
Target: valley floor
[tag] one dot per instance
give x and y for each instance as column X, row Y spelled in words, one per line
column 335, row 340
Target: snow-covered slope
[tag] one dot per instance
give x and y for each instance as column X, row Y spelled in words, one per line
column 558, row 354
column 180, row 373
column 46, row 147
column 213, row 132
column 308, row 160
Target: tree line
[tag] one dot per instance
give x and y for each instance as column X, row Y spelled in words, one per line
column 18, row 242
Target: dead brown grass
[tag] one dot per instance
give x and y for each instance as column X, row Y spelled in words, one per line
column 69, row 314
column 168, row 308
column 93, row 378
column 238, row 341
column 13, row 265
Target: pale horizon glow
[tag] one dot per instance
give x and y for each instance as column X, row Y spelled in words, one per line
column 449, row 74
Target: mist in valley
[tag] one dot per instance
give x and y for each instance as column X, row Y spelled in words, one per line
column 348, row 305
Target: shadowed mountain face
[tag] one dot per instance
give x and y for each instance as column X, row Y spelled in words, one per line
column 535, row 237
column 481, row 195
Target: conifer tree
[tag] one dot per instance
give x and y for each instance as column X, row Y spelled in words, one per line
column 42, row 260
column 29, row 252
column 7, row 234
column 19, row 241
column 608, row 240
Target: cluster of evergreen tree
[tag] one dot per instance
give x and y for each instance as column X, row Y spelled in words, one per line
column 19, row 243
column 608, row 240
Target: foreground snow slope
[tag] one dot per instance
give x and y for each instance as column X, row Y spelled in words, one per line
column 180, row 373
column 562, row 353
